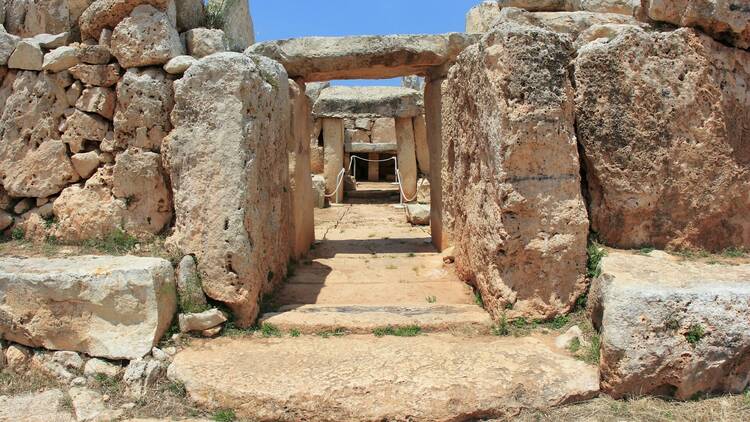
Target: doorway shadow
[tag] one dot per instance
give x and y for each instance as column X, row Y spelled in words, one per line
column 331, row 248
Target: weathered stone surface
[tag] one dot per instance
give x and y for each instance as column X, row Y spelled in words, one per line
column 384, row 131
column 483, row 17
column 418, row 214
column 46, row 406
column 363, row 57
column 333, row 135
column 29, row 18
column 672, row 327
column 144, row 101
column 93, row 54
column 423, row 149
column 140, row 181
column 85, row 164
column 8, row 43
column 319, row 191
column 32, row 164
column 98, row 100
column 423, row 191
column 59, row 59
column 179, row 65
column 623, row 7
column 232, row 220
column 301, row 191
column 82, row 127
column 28, row 55
column 511, row 178
column 6, row 220
column 89, row 406
column 189, row 289
column 94, row 367
column 190, row 14
column 112, row 307
column 201, row 321
column 361, row 147
column 97, row 75
column 145, row 38
column 456, row 378
column 662, row 121
column 407, row 158
column 52, row 41
column 237, row 22
column 108, row 13
column 727, row 21
column 202, row 42
column 344, row 101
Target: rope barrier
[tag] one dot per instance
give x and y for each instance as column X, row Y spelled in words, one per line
column 401, row 188
column 339, row 179
column 353, row 170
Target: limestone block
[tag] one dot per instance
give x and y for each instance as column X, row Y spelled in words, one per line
column 8, row 43
column 202, row 42
column 2, row 16
column 672, row 327
column 106, row 14
column 28, row 55
column 623, row 7
column 482, row 16
column 144, row 101
column 423, row 191
column 363, row 57
column 418, row 214
column 384, row 131
column 190, row 14
column 233, row 221
column 98, row 100
column 347, row 102
column 93, row 54
column 86, row 163
column 6, row 220
column 97, row 75
column 333, row 135
column 190, row 292
column 59, row 59
column 724, row 20
column 439, row 216
column 666, row 160
column 111, row 307
column 356, row 136
column 81, row 127
column 29, row 18
column 314, row 89
column 511, row 173
column 179, row 65
column 145, row 38
column 301, row 191
column 89, row 406
column 237, row 22
column 52, row 41
column 96, row 366
column 407, row 158
column 423, row 150
column 201, row 321
column 319, row 190
column 35, row 407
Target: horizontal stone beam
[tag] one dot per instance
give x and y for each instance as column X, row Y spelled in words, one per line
column 363, row 57
column 343, row 101
column 360, row 147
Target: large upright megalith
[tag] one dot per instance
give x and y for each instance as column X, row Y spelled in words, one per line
column 228, row 163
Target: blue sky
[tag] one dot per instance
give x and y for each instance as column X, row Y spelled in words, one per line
column 277, row 19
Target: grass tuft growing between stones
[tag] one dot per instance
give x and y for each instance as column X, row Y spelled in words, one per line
column 695, row 334
column 226, row 415
column 118, row 242
column 269, row 330
column 338, row 332
column 595, row 254
column 431, row 299
column 407, row 331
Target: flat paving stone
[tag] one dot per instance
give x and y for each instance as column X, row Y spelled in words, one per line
column 367, row 378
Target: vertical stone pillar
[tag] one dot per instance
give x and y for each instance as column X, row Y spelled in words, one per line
column 423, row 151
column 407, row 157
column 373, row 167
column 433, row 104
column 298, row 148
column 333, row 136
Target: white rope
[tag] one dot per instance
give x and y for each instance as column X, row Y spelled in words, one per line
column 339, row 179
column 398, row 176
column 401, row 187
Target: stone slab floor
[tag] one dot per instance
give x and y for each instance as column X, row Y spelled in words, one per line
column 370, row 268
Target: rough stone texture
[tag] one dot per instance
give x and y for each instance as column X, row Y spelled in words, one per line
column 232, row 218
column 145, row 38
column 52, row 41
column 512, row 183
column 86, row 163
column 319, row 191
column 111, row 307
column 96, row 366
column 418, row 214
column 298, row 149
column 98, row 100
column 333, row 136
column 32, row 164
column 455, row 378
column 108, row 13
column 46, row 406
column 59, row 59
column 363, row 57
column 144, row 101
column 439, row 217
column 28, row 55
column 237, row 24
column 662, row 118
column 407, row 158
column 189, row 289
column 97, row 75
column 648, row 305
column 93, row 54
column 8, row 43
column 423, row 149
column 343, row 101
column 725, row 20
column 190, row 14
column 384, row 131
column 82, row 128
column 179, row 65
column 89, row 406
column 202, row 42
column 201, row 321
column 29, row 18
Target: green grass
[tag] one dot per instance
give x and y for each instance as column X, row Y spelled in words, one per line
column 695, row 334
column 17, row 233
column 559, row 322
column 593, row 352
column 734, row 253
column 575, row 345
column 407, row 331
column 177, row 388
column 645, row 250
column 478, row 299
column 391, row 267
column 294, row 332
column 118, row 242
column 412, row 255
column 226, row 415
column 595, row 255
column 692, row 253
column 338, row 332
column 269, row 330
column 501, row 329
column 431, row 299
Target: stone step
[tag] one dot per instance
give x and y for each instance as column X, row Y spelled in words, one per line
column 386, row 293
column 367, row 378
column 312, row 319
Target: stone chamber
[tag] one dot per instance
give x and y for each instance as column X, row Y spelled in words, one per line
column 553, row 208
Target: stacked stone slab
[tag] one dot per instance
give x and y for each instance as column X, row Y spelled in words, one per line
column 511, row 181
